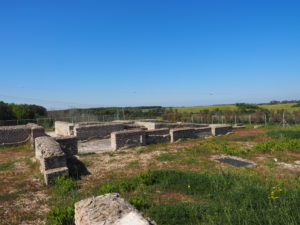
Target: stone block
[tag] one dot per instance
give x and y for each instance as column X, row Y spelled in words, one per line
column 108, row 209
column 48, row 151
column 68, row 145
column 220, row 129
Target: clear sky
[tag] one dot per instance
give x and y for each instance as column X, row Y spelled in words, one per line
column 62, row 54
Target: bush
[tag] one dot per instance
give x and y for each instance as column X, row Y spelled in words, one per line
column 64, row 185
column 139, row 202
column 61, row 216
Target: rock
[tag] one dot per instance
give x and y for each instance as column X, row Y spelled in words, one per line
column 108, row 209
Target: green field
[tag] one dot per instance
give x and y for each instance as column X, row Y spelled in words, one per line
column 194, row 109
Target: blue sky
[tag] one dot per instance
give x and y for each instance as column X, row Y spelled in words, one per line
column 64, row 54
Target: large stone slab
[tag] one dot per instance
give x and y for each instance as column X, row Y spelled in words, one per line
column 63, row 128
column 48, row 151
column 108, row 209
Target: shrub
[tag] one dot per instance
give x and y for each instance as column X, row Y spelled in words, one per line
column 139, row 202
column 61, row 216
column 64, row 185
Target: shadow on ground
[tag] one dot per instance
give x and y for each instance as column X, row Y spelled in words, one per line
column 76, row 168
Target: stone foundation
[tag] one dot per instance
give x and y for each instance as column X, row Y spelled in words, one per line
column 64, row 128
column 127, row 139
column 101, row 130
column 68, row 145
column 52, row 158
column 14, row 135
column 220, row 129
column 157, row 136
column 187, row 133
column 108, row 209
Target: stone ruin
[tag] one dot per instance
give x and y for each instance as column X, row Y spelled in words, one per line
column 126, row 134
column 20, row 134
column 108, row 209
column 54, row 153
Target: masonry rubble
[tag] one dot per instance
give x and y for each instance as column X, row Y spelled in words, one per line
column 108, row 209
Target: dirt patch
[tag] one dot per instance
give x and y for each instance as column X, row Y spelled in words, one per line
column 23, row 197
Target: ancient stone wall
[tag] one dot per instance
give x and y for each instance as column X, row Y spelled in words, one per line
column 219, row 129
column 63, row 128
column 52, row 159
column 68, row 145
column 108, row 209
column 127, row 139
column 186, row 133
column 157, row 136
column 151, row 125
column 84, row 132
column 13, row 135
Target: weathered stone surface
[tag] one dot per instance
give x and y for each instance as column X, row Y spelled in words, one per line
column 219, row 129
column 48, row 151
column 127, row 139
column 10, row 135
column 162, row 131
column 64, row 128
column 68, row 145
column 152, row 125
column 234, row 161
column 108, row 209
column 101, row 130
column 157, row 136
column 155, row 139
column 186, row 133
column 52, row 174
column 36, row 131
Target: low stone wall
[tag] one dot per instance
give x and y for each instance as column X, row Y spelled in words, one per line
column 187, row 133
column 85, row 132
column 220, row 129
column 52, row 158
column 158, row 125
column 63, row 128
column 14, row 135
column 157, row 136
column 68, row 145
column 10, row 135
column 127, row 139
column 109, row 209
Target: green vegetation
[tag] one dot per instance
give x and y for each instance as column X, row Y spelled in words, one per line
column 7, row 165
column 20, row 111
column 168, row 156
column 214, row 198
column 281, row 140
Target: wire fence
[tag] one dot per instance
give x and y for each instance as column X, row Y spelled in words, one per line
column 279, row 118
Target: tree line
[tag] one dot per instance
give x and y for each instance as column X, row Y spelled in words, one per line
column 12, row 111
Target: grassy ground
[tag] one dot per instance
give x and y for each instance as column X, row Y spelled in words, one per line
column 177, row 183
column 23, row 199
column 287, row 107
